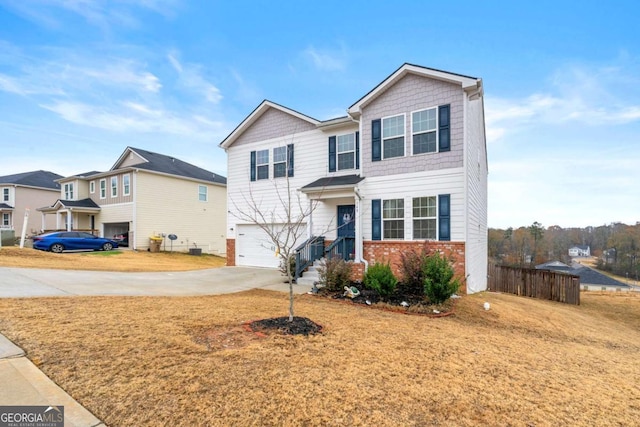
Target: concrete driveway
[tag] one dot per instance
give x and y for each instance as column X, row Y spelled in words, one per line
column 27, row 282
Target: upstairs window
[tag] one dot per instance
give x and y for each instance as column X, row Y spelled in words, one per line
column 424, row 218
column 5, row 194
column 393, row 137
column 68, row 191
column 425, row 131
column 114, row 186
column 393, row 219
column 6, row 220
column 103, row 188
column 279, row 162
column 346, row 151
column 126, row 185
column 92, row 187
column 202, row 193
column 262, row 164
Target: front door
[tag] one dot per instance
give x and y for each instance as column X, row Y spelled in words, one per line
column 347, row 226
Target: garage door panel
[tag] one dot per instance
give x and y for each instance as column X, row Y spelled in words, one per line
column 255, row 249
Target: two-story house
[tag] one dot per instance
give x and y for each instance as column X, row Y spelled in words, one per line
column 21, row 194
column 406, row 167
column 146, row 194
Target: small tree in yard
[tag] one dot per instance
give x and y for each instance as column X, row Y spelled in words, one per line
column 380, row 278
column 439, row 283
column 284, row 224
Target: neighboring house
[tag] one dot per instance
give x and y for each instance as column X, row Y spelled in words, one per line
column 579, row 250
column 146, row 194
column 406, row 167
column 23, row 191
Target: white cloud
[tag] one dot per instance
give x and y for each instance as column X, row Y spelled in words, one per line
column 190, row 76
column 327, row 60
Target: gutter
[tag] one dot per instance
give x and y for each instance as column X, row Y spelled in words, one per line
column 361, row 258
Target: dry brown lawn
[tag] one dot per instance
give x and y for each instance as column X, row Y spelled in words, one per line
column 117, row 260
column 142, row 361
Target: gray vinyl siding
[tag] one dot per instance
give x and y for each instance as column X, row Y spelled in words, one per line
column 410, row 94
column 273, row 124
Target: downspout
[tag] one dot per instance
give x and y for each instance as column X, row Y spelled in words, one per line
column 135, row 205
column 359, row 230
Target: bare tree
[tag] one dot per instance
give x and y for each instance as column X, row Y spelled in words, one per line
column 283, row 224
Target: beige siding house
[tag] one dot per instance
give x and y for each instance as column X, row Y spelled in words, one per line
column 24, row 192
column 144, row 195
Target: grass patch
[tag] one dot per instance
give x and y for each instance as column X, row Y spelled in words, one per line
column 103, row 253
column 189, row 361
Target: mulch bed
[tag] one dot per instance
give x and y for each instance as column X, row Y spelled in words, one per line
column 298, row 326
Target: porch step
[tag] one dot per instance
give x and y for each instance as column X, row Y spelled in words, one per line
column 312, row 275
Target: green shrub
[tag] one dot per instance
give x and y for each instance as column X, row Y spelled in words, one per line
column 439, row 283
column 412, row 272
column 336, row 274
column 380, row 278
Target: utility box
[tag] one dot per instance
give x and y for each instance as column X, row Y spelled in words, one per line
column 8, row 237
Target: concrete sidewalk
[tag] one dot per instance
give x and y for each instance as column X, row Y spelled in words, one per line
column 24, row 384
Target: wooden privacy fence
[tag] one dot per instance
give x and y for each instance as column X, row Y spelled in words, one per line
column 529, row 282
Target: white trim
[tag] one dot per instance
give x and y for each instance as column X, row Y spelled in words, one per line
column 206, row 193
column 92, row 187
column 353, row 165
column 274, row 163
column 113, row 187
column 404, row 136
column 105, row 188
column 403, row 219
column 437, row 130
column 126, row 193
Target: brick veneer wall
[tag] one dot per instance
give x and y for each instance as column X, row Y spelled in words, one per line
column 388, row 251
column 231, row 252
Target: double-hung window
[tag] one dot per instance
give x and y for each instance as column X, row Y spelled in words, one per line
column 92, row 187
column 393, row 136
column 6, row 220
column 262, row 164
column 346, row 151
column 103, row 188
column 424, row 218
column 393, row 219
column 5, row 194
column 126, row 185
column 279, row 162
column 202, row 193
column 425, row 131
column 114, row 186
column 68, row 191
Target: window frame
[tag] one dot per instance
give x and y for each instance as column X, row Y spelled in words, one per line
column 352, row 151
column 6, row 194
column 415, row 218
column 264, row 165
column 435, row 130
column 68, row 191
column 281, row 162
column 114, row 186
column 92, row 187
column 126, row 184
column 6, row 219
column 383, row 139
column 103, row 188
column 399, row 219
column 200, row 193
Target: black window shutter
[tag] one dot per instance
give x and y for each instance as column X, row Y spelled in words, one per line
column 444, row 216
column 357, row 150
column 253, row 166
column 376, row 220
column 290, row 160
column 443, row 128
column 332, row 154
column 376, row 140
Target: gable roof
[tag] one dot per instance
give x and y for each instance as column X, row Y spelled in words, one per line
column 84, row 204
column 256, row 114
column 472, row 85
column 40, row 178
column 4, row 206
column 581, row 247
column 161, row 163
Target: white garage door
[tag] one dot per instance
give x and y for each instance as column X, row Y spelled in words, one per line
column 254, row 248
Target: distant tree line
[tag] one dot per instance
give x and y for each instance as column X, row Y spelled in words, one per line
column 616, row 245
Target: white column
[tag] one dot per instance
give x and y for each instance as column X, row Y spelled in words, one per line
column 44, row 215
column 68, row 219
column 358, row 220
column 310, row 221
column 57, row 220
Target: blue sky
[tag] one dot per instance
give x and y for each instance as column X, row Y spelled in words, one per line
column 82, row 79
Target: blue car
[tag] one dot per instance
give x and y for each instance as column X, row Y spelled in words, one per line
column 72, row 241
